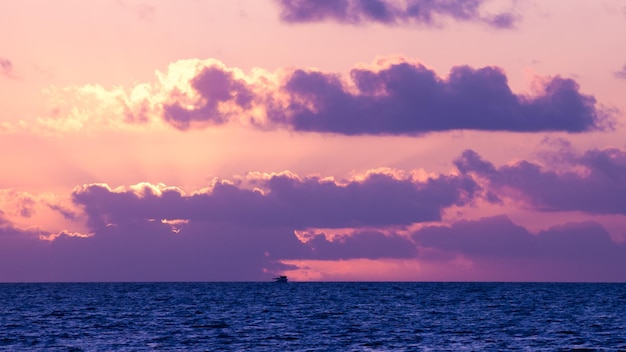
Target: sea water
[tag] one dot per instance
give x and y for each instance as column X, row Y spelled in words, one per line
column 313, row 317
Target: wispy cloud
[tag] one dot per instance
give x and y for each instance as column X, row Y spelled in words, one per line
column 145, row 11
column 621, row 74
column 419, row 12
column 6, row 67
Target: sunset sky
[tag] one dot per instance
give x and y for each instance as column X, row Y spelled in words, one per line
column 326, row 140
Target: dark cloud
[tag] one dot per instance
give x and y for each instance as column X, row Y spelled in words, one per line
column 505, row 251
column 621, row 74
column 419, row 12
column 145, row 250
column 411, row 99
column 229, row 233
column 379, row 200
column 233, row 233
column 149, row 251
column 304, row 10
column 593, row 182
column 398, row 98
column 18, row 248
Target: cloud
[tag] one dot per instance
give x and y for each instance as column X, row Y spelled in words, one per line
column 283, row 200
column 16, row 203
column 391, row 97
column 150, row 251
column 18, row 247
column 502, row 250
column 409, row 12
column 144, row 11
column 621, row 74
column 406, row 98
column 232, row 231
column 592, row 182
column 6, row 67
column 249, row 229
column 216, row 87
column 189, row 94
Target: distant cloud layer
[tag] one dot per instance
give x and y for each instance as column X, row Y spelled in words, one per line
column 253, row 227
column 140, row 250
column 391, row 97
column 389, row 12
column 153, row 232
column 507, row 252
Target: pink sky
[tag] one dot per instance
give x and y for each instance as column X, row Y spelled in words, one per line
column 326, row 140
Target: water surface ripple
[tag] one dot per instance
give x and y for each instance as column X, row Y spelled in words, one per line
column 313, row 317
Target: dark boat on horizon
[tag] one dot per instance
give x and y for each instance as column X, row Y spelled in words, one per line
column 281, row 279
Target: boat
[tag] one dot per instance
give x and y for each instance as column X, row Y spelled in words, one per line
column 281, row 279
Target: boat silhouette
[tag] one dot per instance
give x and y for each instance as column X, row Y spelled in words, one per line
column 281, row 279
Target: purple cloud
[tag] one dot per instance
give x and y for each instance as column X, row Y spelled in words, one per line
column 410, row 99
column 203, row 251
column 230, row 232
column 397, row 99
column 234, row 233
column 17, row 248
column 420, row 12
column 148, row 251
column 621, row 74
column 502, row 250
column 599, row 189
column 378, row 201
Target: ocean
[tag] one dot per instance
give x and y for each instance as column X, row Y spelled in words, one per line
column 303, row 316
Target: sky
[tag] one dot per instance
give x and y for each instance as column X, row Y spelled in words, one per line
column 326, row 140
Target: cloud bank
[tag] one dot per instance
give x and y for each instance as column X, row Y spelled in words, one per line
column 408, row 12
column 230, row 231
column 260, row 225
column 499, row 249
column 489, row 249
column 284, row 200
